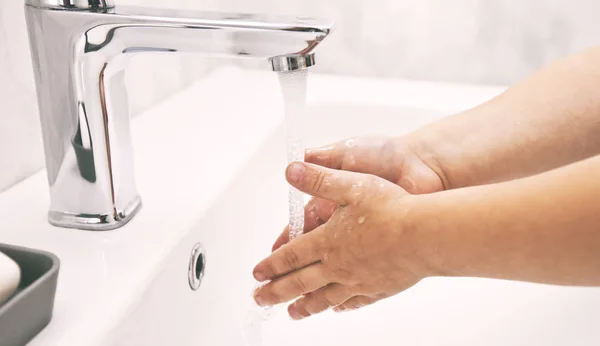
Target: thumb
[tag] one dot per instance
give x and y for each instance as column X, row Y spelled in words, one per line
column 343, row 187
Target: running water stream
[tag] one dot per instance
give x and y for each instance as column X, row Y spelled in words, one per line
column 293, row 87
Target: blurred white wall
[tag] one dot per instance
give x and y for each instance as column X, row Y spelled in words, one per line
column 473, row 41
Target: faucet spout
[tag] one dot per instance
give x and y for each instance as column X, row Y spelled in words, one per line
column 79, row 54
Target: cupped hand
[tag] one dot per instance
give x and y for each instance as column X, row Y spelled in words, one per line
column 391, row 158
column 362, row 254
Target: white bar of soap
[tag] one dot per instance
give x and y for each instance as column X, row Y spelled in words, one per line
column 10, row 276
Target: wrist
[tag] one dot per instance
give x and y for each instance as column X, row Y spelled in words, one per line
column 421, row 227
column 427, row 149
column 463, row 232
column 415, row 170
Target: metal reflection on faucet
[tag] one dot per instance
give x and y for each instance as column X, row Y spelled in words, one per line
column 74, row 4
column 79, row 51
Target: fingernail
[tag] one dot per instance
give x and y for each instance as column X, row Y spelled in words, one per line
column 294, row 314
column 338, row 309
column 260, row 301
column 295, row 172
column 259, row 276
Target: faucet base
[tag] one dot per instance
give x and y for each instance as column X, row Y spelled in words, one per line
column 96, row 222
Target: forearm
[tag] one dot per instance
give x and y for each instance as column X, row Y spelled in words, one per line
column 544, row 228
column 548, row 120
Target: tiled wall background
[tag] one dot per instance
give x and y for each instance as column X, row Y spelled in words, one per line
column 474, row 41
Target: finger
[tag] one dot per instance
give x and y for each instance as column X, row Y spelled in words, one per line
column 361, row 154
column 331, row 156
column 354, row 303
column 342, row 187
column 300, row 253
column 291, row 286
column 283, row 238
column 317, row 212
column 320, row 300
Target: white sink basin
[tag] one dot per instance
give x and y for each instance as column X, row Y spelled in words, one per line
column 216, row 178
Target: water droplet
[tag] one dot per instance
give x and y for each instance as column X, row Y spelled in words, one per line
column 351, row 159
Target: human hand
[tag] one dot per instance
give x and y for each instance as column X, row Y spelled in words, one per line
column 362, row 254
column 393, row 159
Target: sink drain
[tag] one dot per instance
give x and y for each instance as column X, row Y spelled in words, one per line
column 197, row 266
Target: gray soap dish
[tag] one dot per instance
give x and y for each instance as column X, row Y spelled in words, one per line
column 29, row 309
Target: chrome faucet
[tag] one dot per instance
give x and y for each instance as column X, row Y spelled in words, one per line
column 79, row 50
